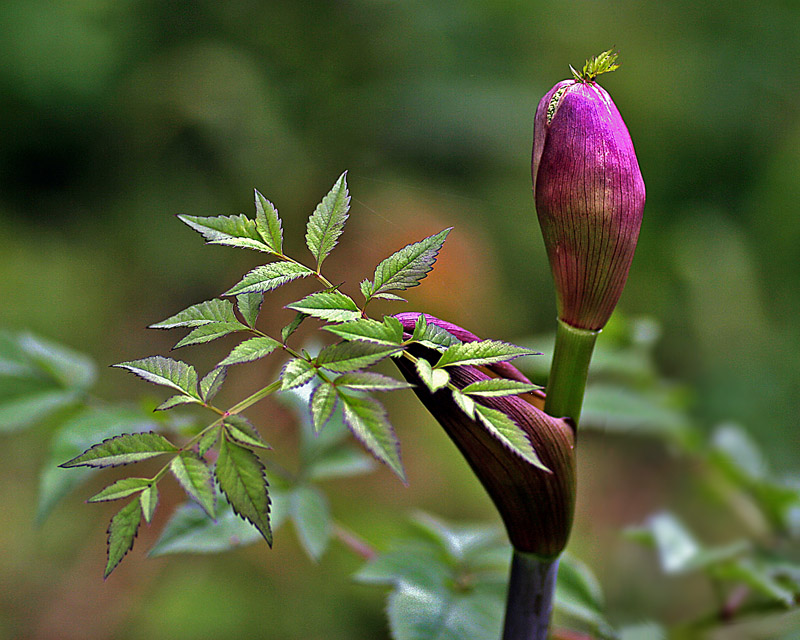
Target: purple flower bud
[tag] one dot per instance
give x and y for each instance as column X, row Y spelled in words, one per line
column 536, row 506
column 589, row 197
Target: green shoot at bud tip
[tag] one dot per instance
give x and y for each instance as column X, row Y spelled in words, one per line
column 602, row 63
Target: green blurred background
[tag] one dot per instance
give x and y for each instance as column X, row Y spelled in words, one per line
column 116, row 115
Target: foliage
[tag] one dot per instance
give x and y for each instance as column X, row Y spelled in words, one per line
column 446, row 580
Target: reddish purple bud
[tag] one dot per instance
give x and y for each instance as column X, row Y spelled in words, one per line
column 589, row 197
column 536, row 506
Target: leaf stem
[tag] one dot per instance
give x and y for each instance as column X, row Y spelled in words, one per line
column 568, row 372
column 530, row 597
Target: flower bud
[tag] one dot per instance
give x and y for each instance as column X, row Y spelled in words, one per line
column 589, row 197
column 536, row 506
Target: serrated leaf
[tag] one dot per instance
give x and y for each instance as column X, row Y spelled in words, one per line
column 149, row 501
column 333, row 306
column 211, row 383
column 482, row 352
column 509, row 434
column 268, row 277
column 388, row 296
column 165, row 371
column 290, row 328
column 209, row 332
column 215, row 310
column 370, row 381
column 327, row 222
column 234, row 231
column 432, row 336
column 367, row 419
column 249, row 305
column 366, row 288
column 208, row 440
column 434, row 379
column 240, row 475
column 369, row 330
column 296, row 373
column 73, row 437
column 268, row 224
column 123, row 449
column 121, row 489
column 241, row 431
column 195, row 477
column 464, row 402
column 250, row 350
column 176, row 401
column 323, row 403
column 121, row 534
column 349, row 356
column 497, row 387
column 310, row 513
column 407, row 267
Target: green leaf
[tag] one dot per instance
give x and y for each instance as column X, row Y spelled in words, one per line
column 234, row 231
column 349, row 356
column 578, row 594
column 323, row 403
column 407, row 267
column 165, row 371
column 496, row 387
column 338, row 462
column 208, row 440
column 215, row 310
column 149, row 501
column 368, row 330
column 123, row 449
column 194, row 476
column 509, row 434
column 367, row 419
column 209, row 332
column 327, row 222
column 26, row 410
column 190, row 530
column 677, row 548
column 268, row 277
column 296, row 373
column 74, row 436
column 434, row 379
column 464, row 402
column 369, row 381
column 432, row 336
column 366, row 288
column 268, row 224
column 290, row 328
column 389, row 296
column 250, row 350
column 241, row 431
column 211, row 383
column 758, row 578
column 240, row 475
column 249, row 305
column 176, row 401
column 121, row 534
column 310, row 513
column 66, row 368
column 481, row 353
column 121, row 489
column 333, row 306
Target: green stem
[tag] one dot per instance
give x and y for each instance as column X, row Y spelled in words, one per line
column 568, row 372
column 530, row 597
column 256, row 397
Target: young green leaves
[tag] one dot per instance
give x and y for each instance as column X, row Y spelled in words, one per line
column 405, row 268
column 327, row 222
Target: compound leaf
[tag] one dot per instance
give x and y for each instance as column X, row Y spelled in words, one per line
column 165, row 371
column 123, row 449
column 407, row 267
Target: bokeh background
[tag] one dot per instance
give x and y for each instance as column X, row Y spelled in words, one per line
column 116, row 115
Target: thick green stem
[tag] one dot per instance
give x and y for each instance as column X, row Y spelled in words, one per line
column 568, row 372
column 530, row 597
column 533, row 580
